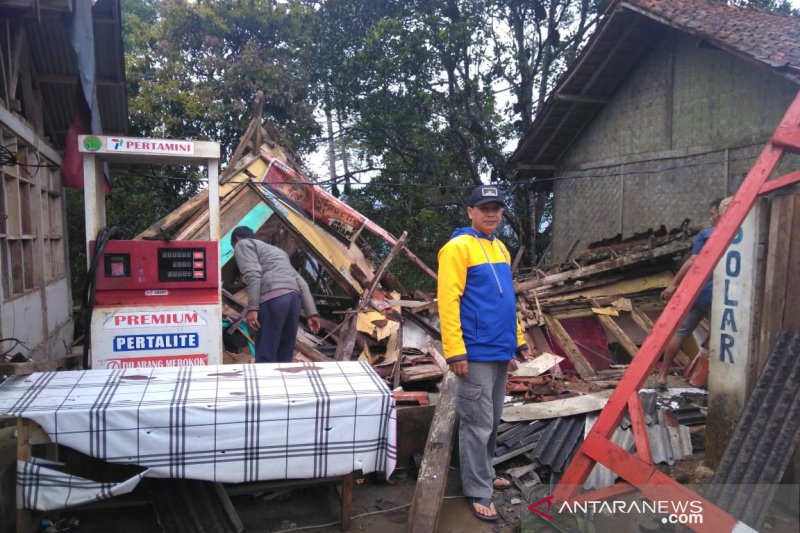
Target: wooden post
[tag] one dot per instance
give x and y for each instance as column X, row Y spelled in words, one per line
column 252, row 133
column 347, row 502
column 427, row 502
column 24, row 455
column 228, row 508
column 399, row 349
column 571, row 349
column 345, row 347
column 627, row 344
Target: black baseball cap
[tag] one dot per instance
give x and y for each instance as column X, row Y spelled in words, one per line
column 485, row 194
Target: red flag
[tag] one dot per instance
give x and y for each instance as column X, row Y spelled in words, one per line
column 72, row 162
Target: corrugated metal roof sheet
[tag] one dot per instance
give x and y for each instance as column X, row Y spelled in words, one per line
column 601, row 476
column 559, row 441
column 766, row 435
column 56, row 71
column 667, row 443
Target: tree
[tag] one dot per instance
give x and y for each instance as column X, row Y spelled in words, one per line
column 429, row 97
column 420, row 100
column 192, row 70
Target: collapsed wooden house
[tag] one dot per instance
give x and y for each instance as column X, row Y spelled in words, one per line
column 597, row 310
column 364, row 310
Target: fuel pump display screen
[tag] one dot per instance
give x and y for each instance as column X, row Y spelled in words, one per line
column 117, row 265
column 181, row 264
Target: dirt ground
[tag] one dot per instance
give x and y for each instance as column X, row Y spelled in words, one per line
column 383, row 507
column 377, row 507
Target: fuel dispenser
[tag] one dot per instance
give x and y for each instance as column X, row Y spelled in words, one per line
column 153, row 303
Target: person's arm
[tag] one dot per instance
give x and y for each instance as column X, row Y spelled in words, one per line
column 673, row 286
column 309, row 307
column 452, row 281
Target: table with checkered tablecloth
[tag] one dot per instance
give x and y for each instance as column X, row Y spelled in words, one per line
column 231, row 424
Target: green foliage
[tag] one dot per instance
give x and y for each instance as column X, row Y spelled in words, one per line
column 193, row 68
column 775, row 6
column 431, row 95
column 421, row 100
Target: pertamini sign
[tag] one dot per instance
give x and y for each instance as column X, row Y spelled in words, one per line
column 149, row 146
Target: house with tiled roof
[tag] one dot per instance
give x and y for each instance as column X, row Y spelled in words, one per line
column 665, row 109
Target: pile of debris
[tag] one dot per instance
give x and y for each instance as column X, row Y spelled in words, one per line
column 365, row 313
column 584, row 319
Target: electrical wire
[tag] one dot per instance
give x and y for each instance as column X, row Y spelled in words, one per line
column 103, row 237
column 17, row 342
column 450, row 187
column 9, row 159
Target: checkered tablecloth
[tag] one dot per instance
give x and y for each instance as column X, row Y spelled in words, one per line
column 231, row 423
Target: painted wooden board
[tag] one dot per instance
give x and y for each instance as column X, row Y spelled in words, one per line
column 538, row 366
column 587, row 403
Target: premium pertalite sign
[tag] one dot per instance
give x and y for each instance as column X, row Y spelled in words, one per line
column 149, row 319
column 154, row 337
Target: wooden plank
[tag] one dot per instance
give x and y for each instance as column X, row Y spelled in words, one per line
column 627, row 344
column 513, row 453
column 347, row 502
column 420, row 373
column 639, row 428
column 538, row 365
column 311, row 352
column 791, row 318
column 430, row 306
column 777, row 272
column 396, row 348
column 571, row 349
column 607, row 286
column 777, row 183
column 604, row 311
column 429, row 491
column 557, row 408
column 604, row 266
column 24, row 455
column 644, row 322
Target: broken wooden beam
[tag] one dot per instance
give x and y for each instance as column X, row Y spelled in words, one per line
column 344, row 349
column 571, row 349
column 575, row 405
column 604, row 266
column 429, row 491
column 612, row 327
column 252, row 136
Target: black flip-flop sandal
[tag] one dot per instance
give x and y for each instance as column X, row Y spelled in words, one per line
column 486, row 502
column 660, row 387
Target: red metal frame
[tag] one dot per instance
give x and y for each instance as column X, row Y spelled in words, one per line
column 597, row 447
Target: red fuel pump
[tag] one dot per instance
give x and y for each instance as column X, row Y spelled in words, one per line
column 152, row 303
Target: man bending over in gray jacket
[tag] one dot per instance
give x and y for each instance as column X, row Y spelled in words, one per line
column 275, row 293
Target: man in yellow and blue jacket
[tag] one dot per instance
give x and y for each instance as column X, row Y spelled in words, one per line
column 480, row 336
